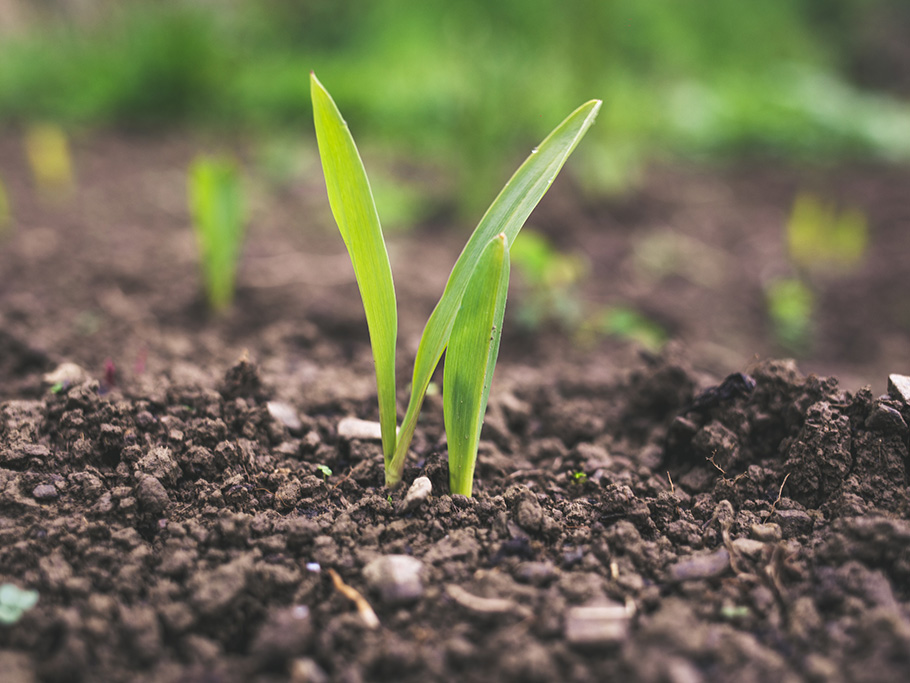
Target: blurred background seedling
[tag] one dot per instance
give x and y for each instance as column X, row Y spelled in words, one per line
column 6, row 214
column 218, row 211
column 14, row 602
column 550, row 278
column 822, row 242
column 822, row 238
column 48, row 151
column 790, row 305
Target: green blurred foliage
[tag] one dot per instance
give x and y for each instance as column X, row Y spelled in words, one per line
column 218, row 209
column 819, row 237
column 790, row 305
column 461, row 82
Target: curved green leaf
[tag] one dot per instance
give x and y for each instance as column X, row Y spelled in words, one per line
column 355, row 212
column 470, row 360
column 507, row 214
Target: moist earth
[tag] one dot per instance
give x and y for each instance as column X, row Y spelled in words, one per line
column 189, row 510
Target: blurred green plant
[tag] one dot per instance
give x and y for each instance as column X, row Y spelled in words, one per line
column 627, row 323
column 467, row 321
column 219, row 215
column 551, row 278
column 790, row 307
column 48, row 151
column 5, row 210
column 14, row 602
column 819, row 237
column 696, row 78
column 820, row 241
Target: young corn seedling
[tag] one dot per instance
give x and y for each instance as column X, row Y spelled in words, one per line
column 468, row 317
column 218, row 213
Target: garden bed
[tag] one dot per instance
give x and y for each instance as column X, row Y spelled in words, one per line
column 635, row 516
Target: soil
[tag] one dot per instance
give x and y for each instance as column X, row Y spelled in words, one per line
column 703, row 513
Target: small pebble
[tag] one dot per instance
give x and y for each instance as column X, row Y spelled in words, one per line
column 749, row 547
column 285, row 414
column 66, row 375
column 418, row 492
column 701, row 566
column 597, row 625
column 899, row 388
column 354, row 428
column 45, row 492
column 306, row 670
column 397, row 578
column 793, row 522
column 769, row 533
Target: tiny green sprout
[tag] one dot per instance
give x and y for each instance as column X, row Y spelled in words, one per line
column 819, row 237
column 579, row 477
column 467, row 319
column 218, row 212
column 5, row 213
column 57, row 388
column 324, row 470
column 14, row 602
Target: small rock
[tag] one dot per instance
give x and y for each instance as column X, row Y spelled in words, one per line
column 701, row 566
column 793, row 522
column 748, row 547
column 354, row 428
column 536, row 573
column 284, row 634
column 45, row 492
column 285, row 414
column 397, row 578
column 418, row 492
column 306, row 670
column 885, row 419
column 899, row 388
column 151, row 494
column 597, row 625
column 768, row 533
column 66, row 375
column 489, row 606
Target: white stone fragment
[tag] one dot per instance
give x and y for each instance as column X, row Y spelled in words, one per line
column 418, row 492
column 899, row 388
column 593, row 625
column 67, row 375
column 397, row 578
column 355, row 428
column 285, row 414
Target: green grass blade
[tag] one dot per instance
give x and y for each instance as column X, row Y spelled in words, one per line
column 470, row 360
column 355, row 212
column 507, row 215
column 218, row 213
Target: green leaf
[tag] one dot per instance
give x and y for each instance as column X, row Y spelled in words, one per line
column 471, row 358
column 355, row 212
column 507, row 214
column 216, row 205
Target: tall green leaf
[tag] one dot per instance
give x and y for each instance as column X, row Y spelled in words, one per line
column 355, row 212
column 217, row 208
column 471, row 358
column 506, row 215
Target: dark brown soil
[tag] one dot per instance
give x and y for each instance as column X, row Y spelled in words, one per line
column 636, row 516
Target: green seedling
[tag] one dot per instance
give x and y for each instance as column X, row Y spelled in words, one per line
column 5, row 212
column 579, row 478
column 324, row 470
column 790, row 304
column 49, row 158
column 14, row 602
column 551, row 278
column 468, row 317
column 819, row 237
column 218, row 213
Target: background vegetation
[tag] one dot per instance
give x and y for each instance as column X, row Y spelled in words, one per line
column 459, row 84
